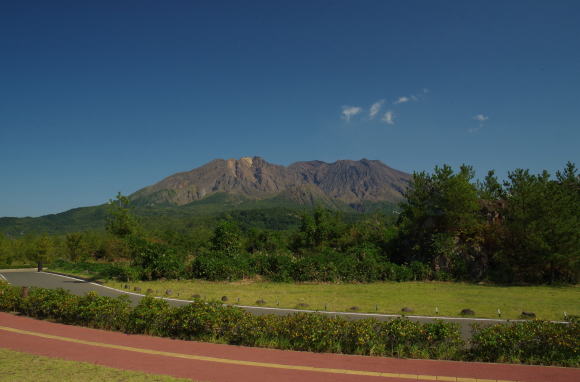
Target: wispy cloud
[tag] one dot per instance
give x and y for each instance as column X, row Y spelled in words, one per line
column 375, row 108
column 413, row 97
column 389, row 118
column 402, row 100
column 481, row 119
column 349, row 111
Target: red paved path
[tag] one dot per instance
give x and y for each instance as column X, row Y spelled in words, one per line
column 217, row 372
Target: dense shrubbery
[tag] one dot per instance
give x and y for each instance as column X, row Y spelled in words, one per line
column 537, row 342
column 156, row 260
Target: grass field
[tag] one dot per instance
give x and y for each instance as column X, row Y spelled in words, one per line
column 449, row 298
column 22, row 367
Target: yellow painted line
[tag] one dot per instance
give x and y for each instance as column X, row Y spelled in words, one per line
column 414, row 377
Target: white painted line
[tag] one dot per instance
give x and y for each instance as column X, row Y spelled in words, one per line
column 443, row 318
column 3, row 278
column 375, row 314
column 114, row 289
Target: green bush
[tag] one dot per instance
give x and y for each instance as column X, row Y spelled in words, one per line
column 534, row 342
column 216, row 266
column 9, row 297
column 156, row 260
column 103, row 312
column 274, row 266
column 50, row 303
column 147, row 317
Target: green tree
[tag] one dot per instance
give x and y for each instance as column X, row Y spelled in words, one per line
column 42, row 249
column 5, row 252
column 322, row 228
column 76, row 246
column 541, row 242
column 264, row 240
column 439, row 219
column 227, row 238
column 120, row 220
column 491, row 188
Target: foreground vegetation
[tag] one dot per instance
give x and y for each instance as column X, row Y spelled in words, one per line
column 548, row 303
column 537, row 342
column 22, row 367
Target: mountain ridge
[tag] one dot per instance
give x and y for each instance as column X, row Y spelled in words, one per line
column 347, row 181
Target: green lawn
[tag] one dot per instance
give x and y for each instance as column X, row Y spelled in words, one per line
column 22, row 367
column 450, row 298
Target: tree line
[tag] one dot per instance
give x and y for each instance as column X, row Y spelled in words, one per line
column 525, row 229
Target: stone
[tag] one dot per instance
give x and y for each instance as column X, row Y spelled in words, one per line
column 467, row 312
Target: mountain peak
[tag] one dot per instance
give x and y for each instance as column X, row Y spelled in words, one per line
column 347, row 181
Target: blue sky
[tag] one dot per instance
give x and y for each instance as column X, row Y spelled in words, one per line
column 106, row 96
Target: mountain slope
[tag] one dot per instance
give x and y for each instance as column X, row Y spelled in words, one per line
column 346, row 181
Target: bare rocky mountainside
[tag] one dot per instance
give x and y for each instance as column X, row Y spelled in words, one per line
column 347, row 181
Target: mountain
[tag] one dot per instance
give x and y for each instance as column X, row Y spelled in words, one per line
column 258, row 191
column 344, row 181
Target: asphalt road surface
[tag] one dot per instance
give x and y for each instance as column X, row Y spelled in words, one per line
column 81, row 287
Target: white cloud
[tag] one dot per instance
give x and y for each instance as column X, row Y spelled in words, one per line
column 402, row 100
column 389, row 118
column 481, row 119
column 349, row 111
column 375, row 108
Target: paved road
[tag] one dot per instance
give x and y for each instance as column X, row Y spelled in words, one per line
column 226, row 363
column 81, row 287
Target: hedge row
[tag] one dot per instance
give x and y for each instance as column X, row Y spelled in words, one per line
column 211, row 321
column 324, row 267
column 533, row 342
